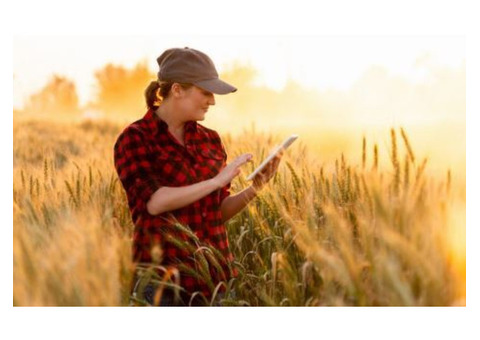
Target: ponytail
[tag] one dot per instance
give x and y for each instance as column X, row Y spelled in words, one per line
column 157, row 91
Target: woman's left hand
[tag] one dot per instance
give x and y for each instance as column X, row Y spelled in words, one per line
column 267, row 173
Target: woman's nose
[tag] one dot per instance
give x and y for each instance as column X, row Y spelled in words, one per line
column 211, row 99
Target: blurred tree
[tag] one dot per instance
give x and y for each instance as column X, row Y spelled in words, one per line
column 120, row 90
column 57, row 99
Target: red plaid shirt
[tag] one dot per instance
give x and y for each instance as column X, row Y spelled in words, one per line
column 148, row 157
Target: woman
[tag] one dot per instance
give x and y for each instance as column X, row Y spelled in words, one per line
column 177, row 182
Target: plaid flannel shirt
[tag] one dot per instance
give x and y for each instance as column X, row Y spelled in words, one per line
column 147, row 157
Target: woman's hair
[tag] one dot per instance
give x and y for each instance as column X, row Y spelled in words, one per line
column 151, row 97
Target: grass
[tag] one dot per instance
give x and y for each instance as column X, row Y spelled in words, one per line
column 344, row 233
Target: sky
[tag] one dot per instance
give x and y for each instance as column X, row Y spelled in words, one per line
column 319, row 62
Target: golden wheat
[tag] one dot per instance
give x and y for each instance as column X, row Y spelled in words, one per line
column 331, row 234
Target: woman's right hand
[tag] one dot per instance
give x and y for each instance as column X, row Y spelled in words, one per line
column 231, row 171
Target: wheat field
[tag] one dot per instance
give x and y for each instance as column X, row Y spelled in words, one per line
column 375, row 232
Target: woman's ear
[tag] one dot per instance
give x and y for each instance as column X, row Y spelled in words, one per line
column 176, row 90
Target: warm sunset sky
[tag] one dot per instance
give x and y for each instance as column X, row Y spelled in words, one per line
column 349, row 85
column 318, row 62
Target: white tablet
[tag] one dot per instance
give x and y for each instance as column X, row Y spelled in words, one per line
column 286, row 143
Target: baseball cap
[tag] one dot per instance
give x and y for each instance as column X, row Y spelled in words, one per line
column 187, row 65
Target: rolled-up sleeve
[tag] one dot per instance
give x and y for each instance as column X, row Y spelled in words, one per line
column 225, row 191
column 135, row 169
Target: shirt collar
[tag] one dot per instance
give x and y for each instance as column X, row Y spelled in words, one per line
column 157, row 125
column 154, row 123
column 191, row 126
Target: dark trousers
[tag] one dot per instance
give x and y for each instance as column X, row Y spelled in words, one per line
column 169, row 298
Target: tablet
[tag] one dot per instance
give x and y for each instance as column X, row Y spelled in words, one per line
column 286, row 143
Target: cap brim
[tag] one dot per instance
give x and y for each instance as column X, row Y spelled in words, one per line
column 216, row 86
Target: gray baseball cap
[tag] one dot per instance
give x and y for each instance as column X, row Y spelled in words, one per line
column 187, row 65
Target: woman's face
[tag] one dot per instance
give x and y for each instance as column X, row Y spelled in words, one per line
column 194, row 103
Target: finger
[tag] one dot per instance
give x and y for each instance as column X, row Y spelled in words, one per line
column 242, row 159
column 272, row 168
column 269, row 165
column 266, row 169
column 276, row 163
column 260, row 177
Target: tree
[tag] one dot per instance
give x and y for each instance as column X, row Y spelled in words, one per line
column 120, row 90
column 58, row 98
